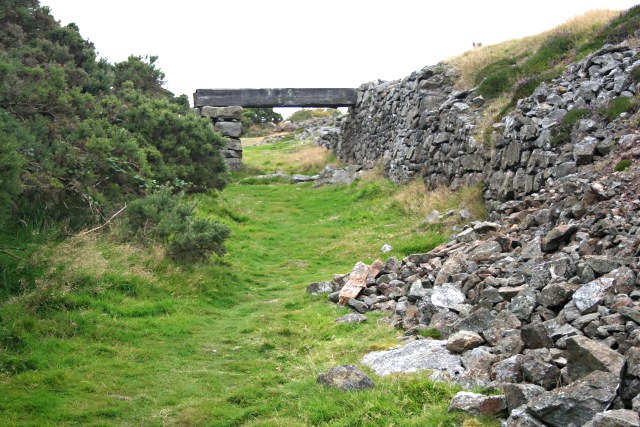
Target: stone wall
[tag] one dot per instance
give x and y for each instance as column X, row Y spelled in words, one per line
column 226, row 121
column 422, row 126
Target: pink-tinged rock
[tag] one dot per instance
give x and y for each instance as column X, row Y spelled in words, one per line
column 356, row 282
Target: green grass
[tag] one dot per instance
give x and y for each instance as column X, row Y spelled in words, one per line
column 619, row 105
column 520, row 68
column 102, row 333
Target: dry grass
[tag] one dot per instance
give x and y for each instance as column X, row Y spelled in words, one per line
column 484, row 130
column 472, row 61
column 83, row 255
column 414, row 199
column 308, row 158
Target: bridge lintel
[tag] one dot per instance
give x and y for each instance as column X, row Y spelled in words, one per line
column 285, row 97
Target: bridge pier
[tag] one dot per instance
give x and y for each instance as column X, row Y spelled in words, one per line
column 227, row 122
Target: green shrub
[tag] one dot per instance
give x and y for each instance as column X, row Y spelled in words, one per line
column 497, row 83
column 619, row 105
column 93, row 134
column 162, row 218
column 623, row 27
column 623, row 165
column 11, row 161
column 307, row 113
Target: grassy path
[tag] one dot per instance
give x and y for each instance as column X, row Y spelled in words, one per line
column 117, row 336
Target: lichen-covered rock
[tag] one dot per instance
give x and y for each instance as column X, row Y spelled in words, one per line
column 585, row 356
column 478, row 404
column 415, row 356
column 352, row 318
column 346, row 378
column 577, row 403
column 320, row 288
column 617, row 418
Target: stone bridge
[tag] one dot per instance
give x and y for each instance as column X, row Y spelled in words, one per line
column 224, row 107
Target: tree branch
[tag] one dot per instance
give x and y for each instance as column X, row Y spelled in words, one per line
column 106, row 223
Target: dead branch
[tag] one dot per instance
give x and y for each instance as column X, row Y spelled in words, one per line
column 106, row 223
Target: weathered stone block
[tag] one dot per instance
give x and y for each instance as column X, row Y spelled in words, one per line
column 227, row 113
column 232, row 129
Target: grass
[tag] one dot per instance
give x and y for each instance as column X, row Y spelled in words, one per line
column 289, row 155
column 511, row 70
column 619, row 105
column 476, row 64
column 102, row 333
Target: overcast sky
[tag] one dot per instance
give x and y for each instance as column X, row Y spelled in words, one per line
column 288, row 43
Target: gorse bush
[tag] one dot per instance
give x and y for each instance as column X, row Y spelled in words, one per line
column 163, row 218
column 82, row 135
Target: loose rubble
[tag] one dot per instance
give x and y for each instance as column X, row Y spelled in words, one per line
column 542, row 302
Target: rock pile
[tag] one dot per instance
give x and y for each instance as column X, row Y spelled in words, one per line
column 542, row 302
column 540, row 297
column 226, row 120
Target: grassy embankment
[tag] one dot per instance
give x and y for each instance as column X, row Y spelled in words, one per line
column 109, row 334
column 506, row 72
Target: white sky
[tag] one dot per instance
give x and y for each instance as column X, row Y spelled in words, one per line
column 289, row 43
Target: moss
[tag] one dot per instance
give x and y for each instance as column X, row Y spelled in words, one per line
column 619, row 105
column 623, row 165
column 431, row 333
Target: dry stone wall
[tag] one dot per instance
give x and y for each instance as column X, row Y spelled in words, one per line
column 422, row 126
column 226, row 120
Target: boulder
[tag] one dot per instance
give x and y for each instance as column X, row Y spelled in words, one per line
column 478, row 404
column 453, row 265
column 356, row 282
column 617, row 418
column 535, row 335
column 585, row 356
column 462, row 341
column 557, row 236
column 346, row 378
column 520, row 394
column 447, row 296
column 590, row 296
column 415, row 356
column 577, row 403
column 320, row 288
column 352, row 318
column 584, row 150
